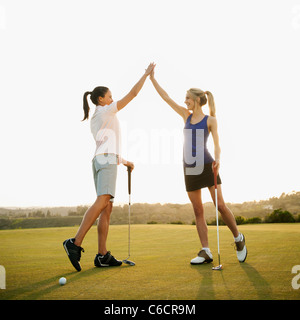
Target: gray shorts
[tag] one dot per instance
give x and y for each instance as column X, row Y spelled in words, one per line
column 105, row 174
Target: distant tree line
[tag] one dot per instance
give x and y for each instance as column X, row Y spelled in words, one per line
column 80, row 211
column 285, row 208
column 277, row 216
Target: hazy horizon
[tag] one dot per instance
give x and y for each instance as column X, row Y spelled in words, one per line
column 132, row 203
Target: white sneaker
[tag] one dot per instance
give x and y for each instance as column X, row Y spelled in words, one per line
column 241, row 250
column 202, row 257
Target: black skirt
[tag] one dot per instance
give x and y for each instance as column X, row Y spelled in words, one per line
column 203, row 180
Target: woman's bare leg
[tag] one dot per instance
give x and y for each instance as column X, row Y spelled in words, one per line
column 195, row 197
column 90, row 217
column 103, row 226
column 226, row 213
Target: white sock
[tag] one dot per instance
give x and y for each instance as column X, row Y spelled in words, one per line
column 238, row 238
column 207, row 250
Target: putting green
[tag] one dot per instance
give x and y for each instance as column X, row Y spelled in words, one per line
column 34, row 261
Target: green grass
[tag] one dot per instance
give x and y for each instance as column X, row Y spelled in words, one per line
column 34, row 260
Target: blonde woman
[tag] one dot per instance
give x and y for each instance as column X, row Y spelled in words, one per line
column 199, row 165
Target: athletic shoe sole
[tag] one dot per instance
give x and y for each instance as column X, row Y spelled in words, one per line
column 205, row 261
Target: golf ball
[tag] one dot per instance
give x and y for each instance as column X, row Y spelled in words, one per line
column 62, row 281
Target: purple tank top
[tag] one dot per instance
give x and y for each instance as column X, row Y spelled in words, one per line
column 199, row 140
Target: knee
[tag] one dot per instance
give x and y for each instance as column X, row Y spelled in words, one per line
column 107, row 211
column 103, row 201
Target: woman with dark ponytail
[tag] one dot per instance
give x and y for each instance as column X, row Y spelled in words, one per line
column 106, row 131
column 95, row 94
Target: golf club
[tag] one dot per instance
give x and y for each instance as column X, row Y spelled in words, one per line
column 219, row 267
column 131, row 263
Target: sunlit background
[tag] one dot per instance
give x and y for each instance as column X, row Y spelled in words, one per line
column 245, row 52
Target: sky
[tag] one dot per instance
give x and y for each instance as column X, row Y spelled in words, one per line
column 245, row 52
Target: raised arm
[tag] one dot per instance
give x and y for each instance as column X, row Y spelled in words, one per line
column 183, row 112
column 136, row 88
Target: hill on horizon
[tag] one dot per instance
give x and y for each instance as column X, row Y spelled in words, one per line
column 166, row 213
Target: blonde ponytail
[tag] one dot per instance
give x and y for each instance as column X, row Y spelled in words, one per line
column 211, row 104
column 198, row 93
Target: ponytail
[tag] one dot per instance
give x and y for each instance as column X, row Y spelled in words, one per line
column 86, row 107
column 95, row 94
column 211, row 103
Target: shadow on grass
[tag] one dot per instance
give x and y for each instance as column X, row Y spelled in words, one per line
column 206, row 285
column 35, row 291
column 206, row 289
column 261, row 285
column 17, row 293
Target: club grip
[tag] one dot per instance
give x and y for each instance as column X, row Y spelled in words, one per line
column 215, row 175
column 129, row 180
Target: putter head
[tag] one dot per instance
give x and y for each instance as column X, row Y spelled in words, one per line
column 131, row 263
column 219, row 267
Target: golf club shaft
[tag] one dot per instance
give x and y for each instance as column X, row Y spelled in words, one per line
column 129, row 226
column 129, row 204
column 217, row 221
column 217, row 213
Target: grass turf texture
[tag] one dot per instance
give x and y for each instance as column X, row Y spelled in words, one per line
column 34, row 260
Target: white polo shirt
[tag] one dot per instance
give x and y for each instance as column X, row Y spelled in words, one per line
column 105, row 128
